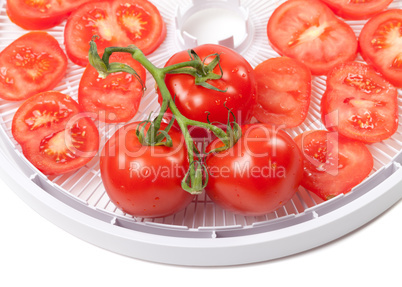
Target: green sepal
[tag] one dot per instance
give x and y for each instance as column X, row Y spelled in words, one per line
column 200, row 180
column 95, row 60
column 202, row 73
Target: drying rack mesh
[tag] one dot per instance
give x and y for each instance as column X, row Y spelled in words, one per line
column 86, row 186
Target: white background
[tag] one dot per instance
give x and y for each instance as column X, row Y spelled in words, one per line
column 34, row 252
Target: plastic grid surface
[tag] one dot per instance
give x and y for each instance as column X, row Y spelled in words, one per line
column 84, row 191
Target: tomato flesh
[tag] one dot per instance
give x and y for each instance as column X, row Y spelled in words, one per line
column 381, row 44
column 284, row 91
column 142, row 180
column 115, row 98
column 41, row 14
column 258, row 175
column 360, row 103
column 117, row 23
column 31, row 64
column 332, row 164
column 357, row 9
column 311, row 33
column 54, row 136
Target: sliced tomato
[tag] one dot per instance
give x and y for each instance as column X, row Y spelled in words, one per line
column 31, row 64
column 332, row 164
column 115, row 98
column 357, row 9
column 381, row 44
column 55, row 136
column 360, row 103
column 117, row 23
column 284, row 91
column 311, row 33
column 41, row 14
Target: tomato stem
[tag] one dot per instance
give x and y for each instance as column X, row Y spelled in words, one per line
column 196, row 177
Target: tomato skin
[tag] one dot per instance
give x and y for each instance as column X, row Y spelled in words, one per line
column 55, row 136
column 117, row 23
column 310, row 32
column 31, row 64
column 194, row 101
column 116, row 98
column 357, row 10
column 284, row 92
column 259, row 174
column 359, row 103
column 332, row 164
column 379, row 46
column 34, row 15
column 141, row 180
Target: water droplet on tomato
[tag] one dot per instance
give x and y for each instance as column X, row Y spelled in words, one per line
column 218, row 102
column 235, row 70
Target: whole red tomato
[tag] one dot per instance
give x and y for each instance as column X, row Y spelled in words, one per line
column 142, row 180
column 194, row 101
column 259, row 174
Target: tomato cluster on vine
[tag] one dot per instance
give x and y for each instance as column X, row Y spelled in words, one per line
column 222, row 124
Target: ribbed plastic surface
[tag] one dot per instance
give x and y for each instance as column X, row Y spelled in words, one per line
column 83, row 190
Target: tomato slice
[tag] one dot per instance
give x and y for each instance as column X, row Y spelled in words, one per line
column 116, row 98
column 40, row 14
column 381, row 44
column 357, row 9
column 360, row 103
column 284, row 91
column 311, row 33
column 117, row 23
column 31, row 64
column 332, row 164
column 53, row 133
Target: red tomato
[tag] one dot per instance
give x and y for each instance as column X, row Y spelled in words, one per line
column 381, row 44
column 116, row 98
column 31, row 64
column 53, row 133
column 332, row 164
column 117, row 23
column 142, row 180
column 360, row 103
column 311, row 33
column 194, row 101
column 259, row 174
column 41, row 14
column 357, row 9
column 284, row 91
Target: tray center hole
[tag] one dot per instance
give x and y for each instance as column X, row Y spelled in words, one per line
column 213, row 25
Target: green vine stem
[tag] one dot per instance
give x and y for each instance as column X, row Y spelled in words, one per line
column 196, row 178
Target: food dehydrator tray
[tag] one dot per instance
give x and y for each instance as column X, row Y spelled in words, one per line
column 203, row 234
